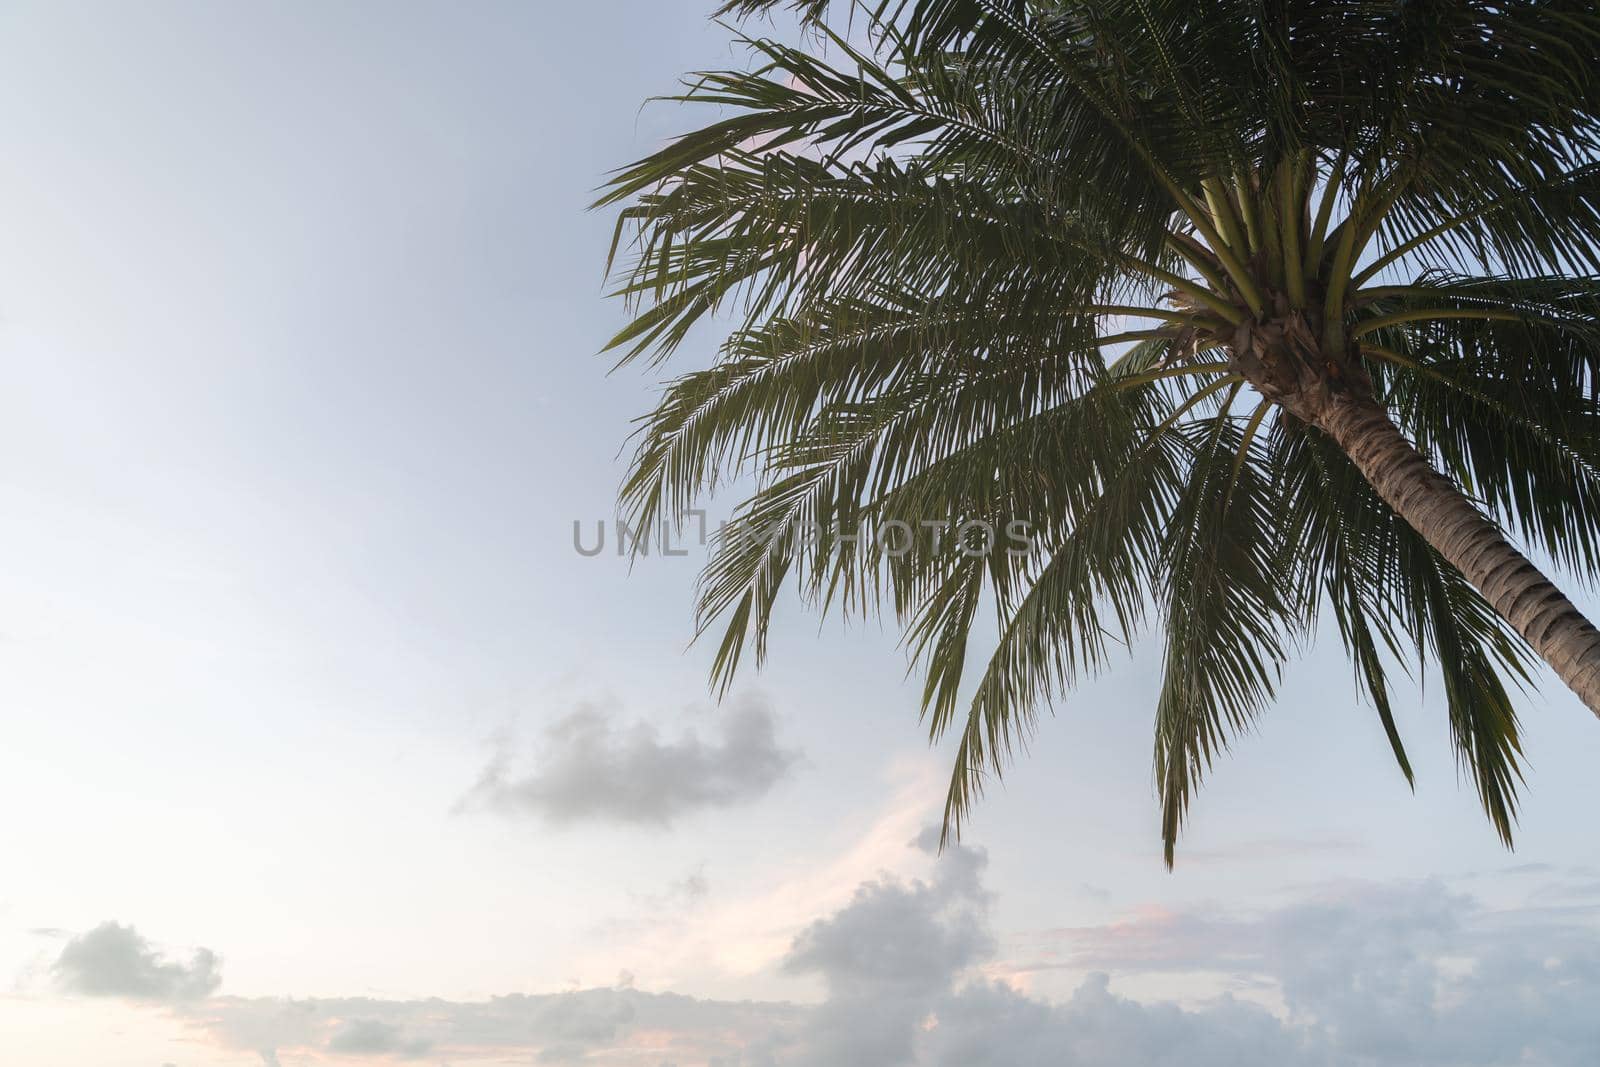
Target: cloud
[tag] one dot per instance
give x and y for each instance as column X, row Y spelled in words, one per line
column 900, row 960
column 594, row 768
column 1411, row 974
column 598, row 1026
column 1401, row 973
column 680, row 895
column 899, row 965
column 115, row 961
column 888, row 954
column 1391, row 975
column 691, row 889
column 988, row 1024
column 375, row 1037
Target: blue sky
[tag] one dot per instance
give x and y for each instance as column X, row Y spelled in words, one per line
column 323, row 746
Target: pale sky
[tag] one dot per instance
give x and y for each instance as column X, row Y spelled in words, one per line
column 323, row 746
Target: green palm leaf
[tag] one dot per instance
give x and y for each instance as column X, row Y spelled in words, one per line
column 1245, row 329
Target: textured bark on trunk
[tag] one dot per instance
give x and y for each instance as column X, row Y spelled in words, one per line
column 1454, row 526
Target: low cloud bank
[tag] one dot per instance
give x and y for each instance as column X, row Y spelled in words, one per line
column 1395, row 975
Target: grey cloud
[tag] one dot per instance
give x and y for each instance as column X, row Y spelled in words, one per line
column 1409, row 974
column 1394, row 975
column 992, row 1025
column 898, row 962
column 888, row 955
column 115, row 961
column 594, row 768
column 894, row 936
column 373, row 1037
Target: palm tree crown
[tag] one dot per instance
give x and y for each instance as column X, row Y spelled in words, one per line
column 1250, row 314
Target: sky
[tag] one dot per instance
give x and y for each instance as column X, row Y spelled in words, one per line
column 323, row 746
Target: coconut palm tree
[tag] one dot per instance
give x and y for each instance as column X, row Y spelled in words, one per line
column 1252, row 315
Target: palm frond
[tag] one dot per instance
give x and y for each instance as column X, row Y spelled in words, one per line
column 996, row 265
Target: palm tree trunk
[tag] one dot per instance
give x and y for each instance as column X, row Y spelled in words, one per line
column 1462, row 534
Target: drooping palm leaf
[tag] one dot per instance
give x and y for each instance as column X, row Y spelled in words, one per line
column 1195, row 295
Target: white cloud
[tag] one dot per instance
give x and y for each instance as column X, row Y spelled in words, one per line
column 1395, row 975
column 594, row 768
column 115, row 961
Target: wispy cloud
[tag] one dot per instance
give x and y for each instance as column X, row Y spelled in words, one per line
column 608, row 1026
